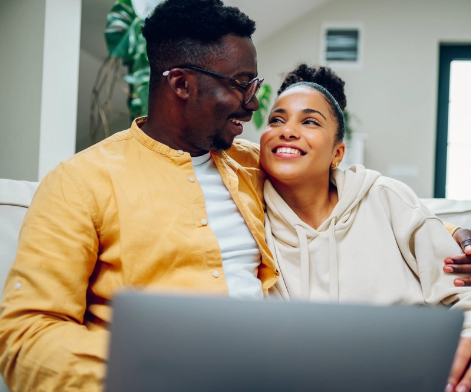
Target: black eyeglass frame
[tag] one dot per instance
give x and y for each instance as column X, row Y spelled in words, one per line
column 249, row 93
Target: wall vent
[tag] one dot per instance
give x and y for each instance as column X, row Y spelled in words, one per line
column 342, row 45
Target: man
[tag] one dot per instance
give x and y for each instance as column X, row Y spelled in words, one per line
column 144, row 207
column 149, row 206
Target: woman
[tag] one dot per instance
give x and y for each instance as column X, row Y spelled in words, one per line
column 335, row 234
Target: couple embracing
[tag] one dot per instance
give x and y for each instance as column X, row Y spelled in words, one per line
column 174, row 202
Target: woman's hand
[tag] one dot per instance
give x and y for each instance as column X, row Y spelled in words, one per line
column 461, row 264
column 459, row 379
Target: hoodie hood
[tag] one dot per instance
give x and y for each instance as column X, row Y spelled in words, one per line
column 286, row 230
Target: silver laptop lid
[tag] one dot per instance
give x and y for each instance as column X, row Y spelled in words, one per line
column 165, row 343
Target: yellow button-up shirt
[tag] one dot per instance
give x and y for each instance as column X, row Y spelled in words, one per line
column 122, row 213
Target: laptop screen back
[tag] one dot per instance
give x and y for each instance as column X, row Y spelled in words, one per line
column 165, row 343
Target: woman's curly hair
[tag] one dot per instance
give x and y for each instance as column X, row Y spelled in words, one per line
column 322, row 76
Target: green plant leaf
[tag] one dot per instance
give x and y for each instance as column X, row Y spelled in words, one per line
column 140, row 99
column 135, row 106
column 348, row 124
column 125, row 41
column 140, row 62
column 122, row 31
column 139, row 77
column 143, row 94
column 264, row 97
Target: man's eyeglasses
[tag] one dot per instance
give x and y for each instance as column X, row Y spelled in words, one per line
column 251, row 88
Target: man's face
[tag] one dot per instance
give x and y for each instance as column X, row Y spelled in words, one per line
column 214, row 113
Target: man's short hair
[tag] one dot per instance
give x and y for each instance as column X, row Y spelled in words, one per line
column 188, row 32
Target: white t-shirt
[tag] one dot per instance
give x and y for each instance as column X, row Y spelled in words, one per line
column 240, row 252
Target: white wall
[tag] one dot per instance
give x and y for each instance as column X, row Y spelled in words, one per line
column 21, row 66
column 38, row 85
column 394, row 95
column 60, row 83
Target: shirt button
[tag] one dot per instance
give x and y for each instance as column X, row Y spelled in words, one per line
column 17, row 285
column 180, row 152
column 216, row 274
column 191, row 179
column 204, row 222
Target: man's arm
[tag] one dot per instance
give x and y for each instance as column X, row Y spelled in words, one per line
column 460, row 264
column 44, row 345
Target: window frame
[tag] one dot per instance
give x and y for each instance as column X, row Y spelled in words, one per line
column 448, row 52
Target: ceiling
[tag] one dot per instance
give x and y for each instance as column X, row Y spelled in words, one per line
column 270, row 16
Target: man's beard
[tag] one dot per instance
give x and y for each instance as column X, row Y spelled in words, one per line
column 220, row 144
column 213, row 143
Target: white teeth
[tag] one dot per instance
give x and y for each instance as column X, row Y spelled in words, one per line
column 287, row 150
column 238, row 122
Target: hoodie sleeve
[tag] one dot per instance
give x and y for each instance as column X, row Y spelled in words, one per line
column 425, row 243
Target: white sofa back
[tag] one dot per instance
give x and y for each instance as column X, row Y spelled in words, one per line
column 457, row 212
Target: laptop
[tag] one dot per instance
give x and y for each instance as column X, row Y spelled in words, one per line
column 176, row 343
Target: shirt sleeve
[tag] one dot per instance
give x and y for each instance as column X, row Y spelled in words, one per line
column 451, row 228
column 44, row 344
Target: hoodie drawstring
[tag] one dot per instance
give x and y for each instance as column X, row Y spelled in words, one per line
column 333, row 265
column 305, row 263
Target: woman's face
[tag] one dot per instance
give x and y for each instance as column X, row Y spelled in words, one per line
column 298, row 142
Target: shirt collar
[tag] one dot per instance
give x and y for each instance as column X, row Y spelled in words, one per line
column 161, row 148
column 148, row 142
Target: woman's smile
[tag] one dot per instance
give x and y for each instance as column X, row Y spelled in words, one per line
column 288, row 151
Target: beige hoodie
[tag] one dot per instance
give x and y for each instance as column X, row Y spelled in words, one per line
column 380, row 246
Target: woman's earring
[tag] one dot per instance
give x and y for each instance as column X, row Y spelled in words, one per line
column 334, row 165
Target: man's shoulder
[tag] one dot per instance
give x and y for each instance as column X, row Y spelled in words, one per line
column 101, row 147
column 245, row 153
column 92, row 164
